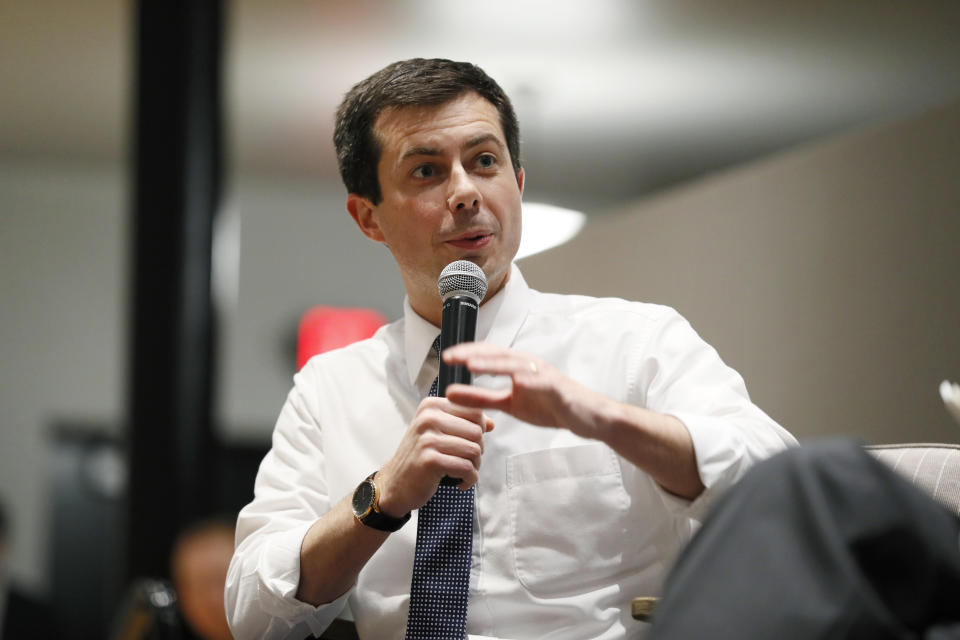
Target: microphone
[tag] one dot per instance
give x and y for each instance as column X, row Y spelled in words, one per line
column 462, row 286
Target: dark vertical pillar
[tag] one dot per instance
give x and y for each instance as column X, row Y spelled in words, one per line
column 176, row 191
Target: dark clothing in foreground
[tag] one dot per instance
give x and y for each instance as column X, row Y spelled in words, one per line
column 819, row 542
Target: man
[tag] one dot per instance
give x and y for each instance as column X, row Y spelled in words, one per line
column 615, row 424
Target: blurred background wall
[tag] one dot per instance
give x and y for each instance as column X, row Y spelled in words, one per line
column 827, row 275
column 782, row 173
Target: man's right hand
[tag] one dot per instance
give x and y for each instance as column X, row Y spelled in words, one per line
column 443, row 439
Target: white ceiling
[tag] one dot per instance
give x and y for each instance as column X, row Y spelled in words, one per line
column 615, row 97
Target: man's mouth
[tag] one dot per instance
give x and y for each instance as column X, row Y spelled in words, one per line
column 471, row 241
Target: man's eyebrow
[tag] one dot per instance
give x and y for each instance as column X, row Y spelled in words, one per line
column 433, row 151
column 482, row 139
column 419, row 151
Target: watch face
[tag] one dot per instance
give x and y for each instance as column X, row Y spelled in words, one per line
column 363, row 499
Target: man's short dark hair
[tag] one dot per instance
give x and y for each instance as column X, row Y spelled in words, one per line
column 408, row 83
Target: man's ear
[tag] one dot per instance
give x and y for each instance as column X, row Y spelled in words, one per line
column 520, row 178
column 361, row 210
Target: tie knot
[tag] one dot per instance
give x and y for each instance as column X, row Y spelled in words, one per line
column 435, row 349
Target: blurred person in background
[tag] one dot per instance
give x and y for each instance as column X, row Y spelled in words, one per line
column 199, row 562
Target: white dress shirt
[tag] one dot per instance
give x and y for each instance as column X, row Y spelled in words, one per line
column 566, row 532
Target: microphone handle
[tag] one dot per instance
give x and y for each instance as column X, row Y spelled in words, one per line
column 458, row 323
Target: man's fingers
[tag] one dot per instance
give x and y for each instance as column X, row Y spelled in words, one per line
column 502, row 365
column 494, row 365
column 471, row 427
column 443, row 431
column 481, row 358
column 455, row 437
column 458, row 353
column 478, row 397
column 448, row 406
column 457, row 467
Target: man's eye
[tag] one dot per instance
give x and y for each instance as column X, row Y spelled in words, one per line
column 486, row 161
column 424, row 171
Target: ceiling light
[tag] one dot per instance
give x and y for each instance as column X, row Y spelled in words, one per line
column 546, row 226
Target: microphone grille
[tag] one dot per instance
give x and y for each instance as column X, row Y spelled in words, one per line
column 462, row 277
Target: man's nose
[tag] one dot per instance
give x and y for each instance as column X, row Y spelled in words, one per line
column 464, row 194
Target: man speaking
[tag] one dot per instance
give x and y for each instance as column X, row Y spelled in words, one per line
column 536, row 502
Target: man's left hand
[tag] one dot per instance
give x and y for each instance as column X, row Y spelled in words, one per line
column 539, row 394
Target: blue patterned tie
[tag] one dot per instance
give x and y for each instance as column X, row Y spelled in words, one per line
column 441, row 563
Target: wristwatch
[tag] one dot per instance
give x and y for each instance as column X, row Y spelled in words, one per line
column 366, row 507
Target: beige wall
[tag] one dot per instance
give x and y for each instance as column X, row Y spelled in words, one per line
column 829, row 276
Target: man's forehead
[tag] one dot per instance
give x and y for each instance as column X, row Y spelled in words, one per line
column 413, row 126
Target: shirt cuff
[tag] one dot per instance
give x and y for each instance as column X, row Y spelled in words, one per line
column 721, row 461
column 279, row 573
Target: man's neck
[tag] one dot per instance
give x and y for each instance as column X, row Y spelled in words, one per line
column 432, row 309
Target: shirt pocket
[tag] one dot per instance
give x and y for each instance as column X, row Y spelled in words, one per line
column 570, row 518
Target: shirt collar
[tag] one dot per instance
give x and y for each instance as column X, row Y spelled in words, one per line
column 499, row 321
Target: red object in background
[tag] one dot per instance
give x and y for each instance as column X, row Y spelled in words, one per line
column 325, row 328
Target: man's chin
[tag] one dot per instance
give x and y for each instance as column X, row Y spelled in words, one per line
column 495, row 268
column 480, row 261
